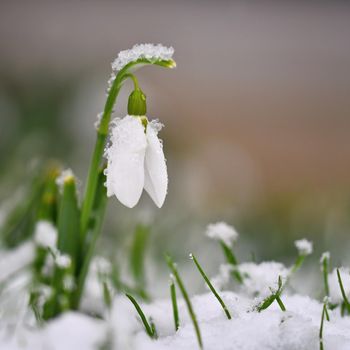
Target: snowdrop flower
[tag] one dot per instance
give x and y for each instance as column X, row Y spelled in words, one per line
column 136, row 161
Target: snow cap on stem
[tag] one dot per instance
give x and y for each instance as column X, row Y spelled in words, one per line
column 304, row 247
column 136, row 161
column 150, row 52
column 222, row 232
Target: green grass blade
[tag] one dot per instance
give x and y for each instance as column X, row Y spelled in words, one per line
column 174, row 305
column 346, row 301
column 182, row 288
column 323, row 315
column 149, row 329
column 280, row 303
column 211, row 287
column 232, row 260
column 137, row 254
column 325, row 268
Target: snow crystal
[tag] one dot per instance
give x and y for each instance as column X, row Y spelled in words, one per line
column 222, row 232
column 98, row 120
column 150, row 52
column 334, row 288
column 45, row 234
column 304, row 246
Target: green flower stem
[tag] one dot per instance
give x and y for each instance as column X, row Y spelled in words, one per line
column 173, row 269
column 207, row 281
column 100, row 209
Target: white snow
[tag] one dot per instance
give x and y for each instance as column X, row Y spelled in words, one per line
column 222, row 231
column 150, row 52
column 304, row 247
column 14, row 260
column 295, row 329
column 259, row 278
column 45, row 234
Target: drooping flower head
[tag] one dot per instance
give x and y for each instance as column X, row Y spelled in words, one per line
column 136, row 161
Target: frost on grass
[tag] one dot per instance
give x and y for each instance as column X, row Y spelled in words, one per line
column 222, row 232
column 304, row 247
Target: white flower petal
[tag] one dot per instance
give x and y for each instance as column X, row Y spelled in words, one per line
column 125, row 168
column 156, row 176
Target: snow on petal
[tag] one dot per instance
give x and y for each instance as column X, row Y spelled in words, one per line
column 125, row 155
column 156, row 176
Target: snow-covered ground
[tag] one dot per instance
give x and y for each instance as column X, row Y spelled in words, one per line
column 297, row 328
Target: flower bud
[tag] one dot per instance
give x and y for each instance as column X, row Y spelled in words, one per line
column 137, row 103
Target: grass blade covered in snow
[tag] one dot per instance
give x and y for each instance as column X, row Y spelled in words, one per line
column 182, row 288
column 211, row 287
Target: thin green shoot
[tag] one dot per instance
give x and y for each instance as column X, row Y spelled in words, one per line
column 211, row 287
column 325, row 268
column 178, row 279
column 174, row 304
column 324, row 315
column 232, row 260
column 345, row 298
column 149, row 327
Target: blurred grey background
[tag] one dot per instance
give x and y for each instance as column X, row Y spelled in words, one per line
column 256, row 114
